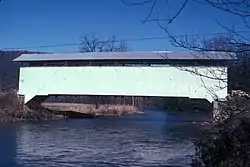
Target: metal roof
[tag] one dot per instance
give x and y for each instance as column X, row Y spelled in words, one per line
column 127, row 56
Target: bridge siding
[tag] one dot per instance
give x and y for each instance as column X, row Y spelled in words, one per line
column 130, row 81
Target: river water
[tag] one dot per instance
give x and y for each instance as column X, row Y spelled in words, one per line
column 152, row 139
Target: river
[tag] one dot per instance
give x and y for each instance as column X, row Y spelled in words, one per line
column 152, row 139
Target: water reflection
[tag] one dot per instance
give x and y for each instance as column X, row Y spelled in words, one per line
column 146, row 140
column 7, row 145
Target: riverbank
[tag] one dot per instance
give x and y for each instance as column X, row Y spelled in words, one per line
column 90, row 109
column 13, row 110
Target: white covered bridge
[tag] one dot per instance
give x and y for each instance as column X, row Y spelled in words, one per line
column 162, row 74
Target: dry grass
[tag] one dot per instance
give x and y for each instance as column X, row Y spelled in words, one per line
column 12, row 109
column 103, row 110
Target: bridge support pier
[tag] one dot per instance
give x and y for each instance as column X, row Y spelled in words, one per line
column 35, row 103
column 218, row 109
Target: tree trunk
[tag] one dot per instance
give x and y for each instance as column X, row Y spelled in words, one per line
column 96, row 102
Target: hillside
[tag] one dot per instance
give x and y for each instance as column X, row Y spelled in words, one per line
column 9, row 71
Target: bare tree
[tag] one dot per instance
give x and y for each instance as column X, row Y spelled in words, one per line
column 234, row 42
column 91, row 43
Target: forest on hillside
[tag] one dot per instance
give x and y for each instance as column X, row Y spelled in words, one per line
column 9, row 70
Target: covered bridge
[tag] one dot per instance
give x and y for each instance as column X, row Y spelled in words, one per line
column 161, row 74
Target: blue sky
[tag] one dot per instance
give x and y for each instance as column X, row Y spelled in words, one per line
column 25, row 23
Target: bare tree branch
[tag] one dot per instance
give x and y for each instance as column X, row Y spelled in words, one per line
column 178, row 12
column 153, row 5
column 136, row 3
column 91, row 43
column 238, row 7
column 150, row 12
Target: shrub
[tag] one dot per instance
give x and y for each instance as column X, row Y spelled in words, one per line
column 226, row 143
column 13, row 110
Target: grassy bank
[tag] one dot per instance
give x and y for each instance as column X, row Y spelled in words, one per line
column 13, row 110
column 103, row 110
